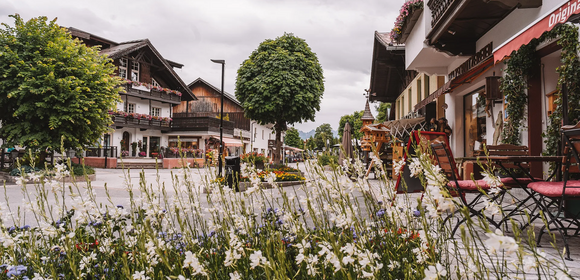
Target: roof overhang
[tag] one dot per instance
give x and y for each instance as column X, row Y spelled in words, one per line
column 457, row 25
column 387, row 70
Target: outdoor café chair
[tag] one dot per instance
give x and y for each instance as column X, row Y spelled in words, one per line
column 555, row 197
column 478, row 189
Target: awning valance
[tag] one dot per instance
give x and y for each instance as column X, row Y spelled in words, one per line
column 559, row 14
column 231, row 142
column 445, row 88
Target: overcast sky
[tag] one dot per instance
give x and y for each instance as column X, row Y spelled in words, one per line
column 191, row 32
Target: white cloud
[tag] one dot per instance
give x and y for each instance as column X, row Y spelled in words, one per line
column 192, row 32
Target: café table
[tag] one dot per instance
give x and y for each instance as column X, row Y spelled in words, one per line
column 519, row 181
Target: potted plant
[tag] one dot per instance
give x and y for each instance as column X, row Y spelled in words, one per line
column 133, row 149
column 255, row 158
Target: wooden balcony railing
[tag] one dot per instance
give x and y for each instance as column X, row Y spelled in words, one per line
column 438, row 9
column 237, row 118
column 152, row 94
column 140, row 123
column 212, row 124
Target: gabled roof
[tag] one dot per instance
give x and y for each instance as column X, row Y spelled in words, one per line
column 387, row 69
column 117, row 50
column 226, row 95
column 377, row 127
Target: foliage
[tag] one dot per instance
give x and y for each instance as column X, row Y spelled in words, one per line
column 254, row 158
column 569, row 75
column 81, row 170
column 280, row 83
column 514, row 86
column 323, row 136
column 281, row 167
column 341, row 227
column 279, row 176
column 407, row 9
column 23, row 168
column 327, row 159
column 53, row 86
column 310, row 143
column 355, row 123
column 292, row 138
column 383, row 112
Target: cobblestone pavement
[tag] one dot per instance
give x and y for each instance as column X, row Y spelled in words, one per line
column 115, row 181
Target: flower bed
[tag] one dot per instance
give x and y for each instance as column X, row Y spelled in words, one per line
column 330, row 228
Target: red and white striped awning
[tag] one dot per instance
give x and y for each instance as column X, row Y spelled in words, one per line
column 559, row 14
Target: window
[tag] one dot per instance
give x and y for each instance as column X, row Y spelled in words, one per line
column 187, row 142
column 419, row 91
column 134, row 71
column 123, row 68
column 156, row 112
column 427, row 91
column 474, row 121
column 402, row 106
column 154, row 83
column 410, row 100
column 262, row 134
column 130, row 107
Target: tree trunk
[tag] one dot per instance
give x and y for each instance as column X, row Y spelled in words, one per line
column 276, row 154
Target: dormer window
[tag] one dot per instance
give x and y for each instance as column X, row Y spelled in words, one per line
column 134, row 71
column 123, row 68
column 155, row 83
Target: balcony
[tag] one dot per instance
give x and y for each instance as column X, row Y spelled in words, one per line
column 237, row 118
column 458, row 24
column 189, row 122
column 153, row 94
column 120, row 121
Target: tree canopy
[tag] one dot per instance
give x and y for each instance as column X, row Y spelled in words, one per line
column 53, row 87
column 292, row 138
column 323, row 136
column 280, row 83
column 355, row 122
column 383, row 109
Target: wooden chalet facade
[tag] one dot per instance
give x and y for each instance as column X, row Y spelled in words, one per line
column 198, row 121
column 152, row 89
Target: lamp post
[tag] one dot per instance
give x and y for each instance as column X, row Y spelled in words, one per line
column 220, row 159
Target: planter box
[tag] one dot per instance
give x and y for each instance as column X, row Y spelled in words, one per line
column 243, row 186
column 170, row 163
column 97, row 162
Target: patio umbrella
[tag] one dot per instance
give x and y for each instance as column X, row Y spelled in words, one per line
column 346, row 151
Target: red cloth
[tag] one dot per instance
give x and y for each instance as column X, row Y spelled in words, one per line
column 510, row 182
column 555, row 189
column 469, row 185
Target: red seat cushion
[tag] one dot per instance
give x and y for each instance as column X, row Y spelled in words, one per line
column 509, row 181
column 469, row 185
column 555, row 189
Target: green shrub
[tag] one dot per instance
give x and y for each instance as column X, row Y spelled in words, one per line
column 77, row 170
column 327, row 159
column 25, row 168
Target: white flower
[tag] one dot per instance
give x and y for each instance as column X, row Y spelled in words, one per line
column 491, row 181
column 192, row 261
column 235, row 276
column 498, row 243
column 38, row 277
column 434, row 272
column 256, row 259
column 398, row 165
column 299, row 258
column 348, row 259
column 140, row 275
column 415, row 167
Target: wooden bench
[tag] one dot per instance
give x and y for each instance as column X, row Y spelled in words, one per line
column 506, row 150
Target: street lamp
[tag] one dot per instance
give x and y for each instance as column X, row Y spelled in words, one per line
column 223, row 63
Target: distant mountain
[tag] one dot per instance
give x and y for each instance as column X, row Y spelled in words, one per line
column 306, row 135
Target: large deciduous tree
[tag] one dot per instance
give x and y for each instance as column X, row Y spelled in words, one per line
column 52, row 87
column 292, row 138
column 383, row 109
column 280, row 83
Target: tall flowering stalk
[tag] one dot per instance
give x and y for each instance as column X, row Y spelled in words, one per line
column 337, row 225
